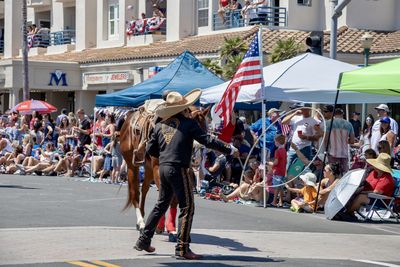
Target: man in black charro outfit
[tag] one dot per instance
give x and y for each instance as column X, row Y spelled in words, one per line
column 172, row 142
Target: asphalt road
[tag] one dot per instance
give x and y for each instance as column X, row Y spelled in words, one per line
column 57, row 221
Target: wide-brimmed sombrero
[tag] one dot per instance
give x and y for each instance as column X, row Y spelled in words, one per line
column 382, row 162
column 176, row 103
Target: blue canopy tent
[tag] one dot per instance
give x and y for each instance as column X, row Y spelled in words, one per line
column 184, row 74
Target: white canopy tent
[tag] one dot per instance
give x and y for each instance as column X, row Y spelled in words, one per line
column 306, row 78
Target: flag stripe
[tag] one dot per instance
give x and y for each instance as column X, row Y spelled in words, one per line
column 248, row 72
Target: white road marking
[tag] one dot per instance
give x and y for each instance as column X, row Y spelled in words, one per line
column 379, row 263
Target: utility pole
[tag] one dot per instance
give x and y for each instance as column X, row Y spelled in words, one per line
column 25, row 68
column 336, row 9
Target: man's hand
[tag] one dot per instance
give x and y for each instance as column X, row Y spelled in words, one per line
column 293, row 145
column 235, row 153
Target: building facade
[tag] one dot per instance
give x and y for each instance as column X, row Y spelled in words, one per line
column 86, row 47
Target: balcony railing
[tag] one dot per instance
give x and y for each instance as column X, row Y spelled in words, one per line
column 51, row 38
column 270, row 16
column 152, row 25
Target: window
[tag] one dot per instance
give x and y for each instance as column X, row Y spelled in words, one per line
column 203, row 13
column 304, row 2
column 113, row 20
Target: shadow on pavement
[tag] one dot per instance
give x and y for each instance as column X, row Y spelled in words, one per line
column 17, row 187
column 224, row 242
column 210, row 260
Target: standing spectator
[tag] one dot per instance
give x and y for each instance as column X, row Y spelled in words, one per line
column 246, row 12
column 365, row 137
column 304, row 133
column 279, row 169
column 247, row 132
column 272, row 129
column 116, row 159
column 157, row 12
column 356, row 123
column 383, row 111
column 341, row 136
column 387, row 134
column 223, row 6
column 61, row 116
column 48, row 129
column 84, row 129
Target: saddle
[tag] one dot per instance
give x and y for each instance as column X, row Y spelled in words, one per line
column 142, row 125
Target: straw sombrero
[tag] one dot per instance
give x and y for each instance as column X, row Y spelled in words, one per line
column 382, row 162
column 176, row 103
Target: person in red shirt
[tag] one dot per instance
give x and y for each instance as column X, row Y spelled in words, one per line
column 223, row 6
column 379, row 181
column 279, row 169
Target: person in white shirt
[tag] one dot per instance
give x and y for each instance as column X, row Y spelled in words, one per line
column 305, row 131
column 383, row 111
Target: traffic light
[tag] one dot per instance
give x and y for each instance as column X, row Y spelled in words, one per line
column 314, row 43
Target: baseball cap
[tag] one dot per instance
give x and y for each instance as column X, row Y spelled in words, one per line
column 385, row 120
column 272, row 110
column 383, row 107
column 339, row 111
column 356, row 113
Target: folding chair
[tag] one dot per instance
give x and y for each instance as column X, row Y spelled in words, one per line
column 383, row 206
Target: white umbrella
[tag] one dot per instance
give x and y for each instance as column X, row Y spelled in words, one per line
column 343, row 191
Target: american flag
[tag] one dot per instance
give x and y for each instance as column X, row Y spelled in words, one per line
column 249, row 72
column 284, row 127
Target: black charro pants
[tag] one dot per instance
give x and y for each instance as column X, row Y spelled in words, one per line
column 174, row 179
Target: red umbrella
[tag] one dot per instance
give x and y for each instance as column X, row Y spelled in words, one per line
column 29, row 106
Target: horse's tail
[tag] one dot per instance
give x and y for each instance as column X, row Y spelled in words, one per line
column 127, row 130
column 131, row 191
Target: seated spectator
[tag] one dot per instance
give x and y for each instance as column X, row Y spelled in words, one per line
column 308, row 193
column 379, row 181
column 216, row 170
column 331, row 177
column 241, row 190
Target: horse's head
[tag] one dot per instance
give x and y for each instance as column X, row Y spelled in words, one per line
column 200, row 116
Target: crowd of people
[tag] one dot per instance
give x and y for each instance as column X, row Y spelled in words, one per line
column 297, row 143
column 246, row 11
column 74, row 144
column 67, row 145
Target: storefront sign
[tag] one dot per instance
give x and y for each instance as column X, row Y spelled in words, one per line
column 104, row 78
column 57, row 77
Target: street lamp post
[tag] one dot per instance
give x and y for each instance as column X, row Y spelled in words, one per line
column 25, row 69
column 366, row 43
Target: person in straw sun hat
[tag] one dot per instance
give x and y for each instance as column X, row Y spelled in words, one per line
column 171, row 141
column 379, row 181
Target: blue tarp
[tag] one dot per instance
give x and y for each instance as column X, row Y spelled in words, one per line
column 184, row 74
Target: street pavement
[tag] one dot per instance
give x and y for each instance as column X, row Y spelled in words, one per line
column 58, row 221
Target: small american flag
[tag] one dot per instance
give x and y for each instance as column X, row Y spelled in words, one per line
column 284, row 127
column 249, row 72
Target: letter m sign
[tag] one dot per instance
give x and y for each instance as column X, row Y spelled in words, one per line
column 58, row 76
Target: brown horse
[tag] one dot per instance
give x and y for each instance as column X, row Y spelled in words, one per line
column 134, row 135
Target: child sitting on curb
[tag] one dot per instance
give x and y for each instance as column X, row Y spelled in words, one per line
column 309, row 193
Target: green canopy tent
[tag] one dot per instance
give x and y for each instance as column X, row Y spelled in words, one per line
column 382, row 78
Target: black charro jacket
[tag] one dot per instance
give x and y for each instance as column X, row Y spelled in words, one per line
column 172, row 141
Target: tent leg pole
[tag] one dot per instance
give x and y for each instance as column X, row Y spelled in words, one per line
column 326, row 150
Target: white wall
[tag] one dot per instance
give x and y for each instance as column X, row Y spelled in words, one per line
column 86, row 27
column 12, row 27
column 372, row 14
column 308, row 18
column 57, row 20
column 181, row 19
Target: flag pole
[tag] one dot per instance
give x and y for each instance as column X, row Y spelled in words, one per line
column 264, row 113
